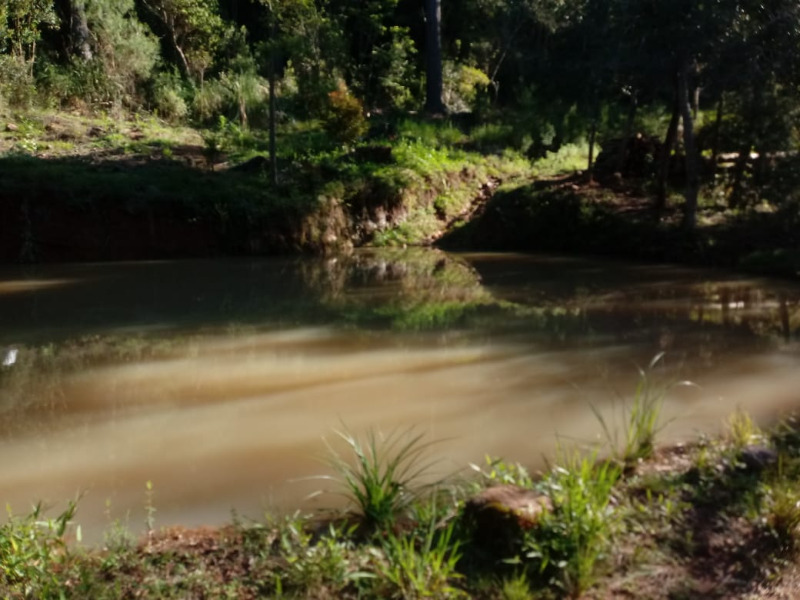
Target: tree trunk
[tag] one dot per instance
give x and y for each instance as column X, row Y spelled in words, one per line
column 664, row 159
column 592, row 138
column 717, row 136
column 273, row 156
column 626, row 136
column 183, row 62
column 79, row 31
column 737, row 190
column 692, row 178
column 433, row 58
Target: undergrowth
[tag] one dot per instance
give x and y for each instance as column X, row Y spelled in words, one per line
column 655, row 528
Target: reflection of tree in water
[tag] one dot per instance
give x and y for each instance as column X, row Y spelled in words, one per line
column 401, row 289
column 700, row 318
column 421, row 289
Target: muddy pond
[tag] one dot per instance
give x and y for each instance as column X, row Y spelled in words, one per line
column 219, row 381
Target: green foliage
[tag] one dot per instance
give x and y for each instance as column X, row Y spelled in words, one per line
column 462, row 84
column 492, row 136
column 434, row 134
column 168, row 97
column 569, row 541
column 17, row 86
column 195, row 30
column 210, row 101
column 423, row 568
column 126, row 48
column 21, row 24
column 741, row 431
column 498, row 472
column 394, row 61
column 783, row 513
column 31, row 550
column 385, row 478
column 516, row 588
column 244, row 92
column 325, row 564
column 570, row 158
column 344, row 120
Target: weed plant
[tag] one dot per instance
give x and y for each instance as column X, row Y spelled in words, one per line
column 640, row 421
column 384, row 477
column 328, row 563
column 570, row 540
column 741, row 431
column 421, row 568
column 32, row 550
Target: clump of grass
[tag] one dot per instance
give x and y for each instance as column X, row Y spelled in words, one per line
column 516, row 588
column 326, row 563
column 421, row 568
column 430, row 133
column 571, row 538
column 783, row 514
column 384, row 478
column 640, row 421
column 568, row 159
column 741, row 431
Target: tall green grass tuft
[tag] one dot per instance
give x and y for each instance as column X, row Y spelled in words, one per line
column 384, row 477
column 742, row 431
column 571, row 539
column 423, row 568
column 639, row 421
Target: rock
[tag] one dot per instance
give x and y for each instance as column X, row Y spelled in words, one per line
column 12, row 127
column 523, row 505
column 757, row 457
column 500, row 514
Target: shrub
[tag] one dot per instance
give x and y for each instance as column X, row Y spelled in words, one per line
column 344, row 120
column 17, row 86
column 168, row 99
column 461, row 86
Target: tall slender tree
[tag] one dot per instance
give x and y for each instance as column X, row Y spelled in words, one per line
column 433, row 57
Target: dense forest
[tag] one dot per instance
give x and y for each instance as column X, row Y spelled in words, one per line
column 697, row 100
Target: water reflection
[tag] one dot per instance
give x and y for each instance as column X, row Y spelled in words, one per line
column 217, row 380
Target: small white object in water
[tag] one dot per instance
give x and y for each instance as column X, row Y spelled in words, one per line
column 10, row 356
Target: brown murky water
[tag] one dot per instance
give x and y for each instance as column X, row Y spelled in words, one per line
column 218, row 380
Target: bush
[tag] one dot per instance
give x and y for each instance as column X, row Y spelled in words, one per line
column 17, row 86
column 344, row 120
column 168, row 99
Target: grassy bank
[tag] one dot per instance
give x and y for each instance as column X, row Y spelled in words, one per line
column 714, row 518
column 89, row 188
column 92, row 188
